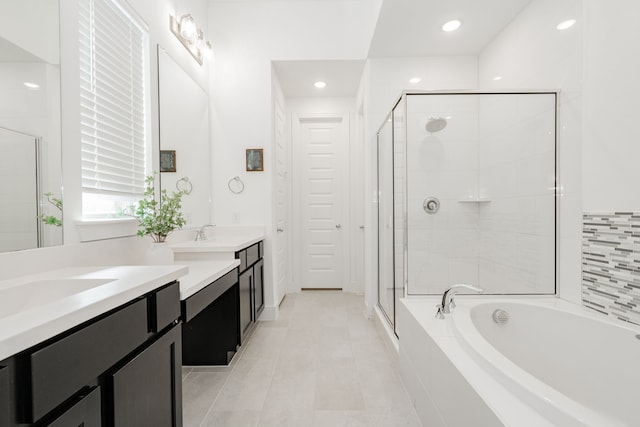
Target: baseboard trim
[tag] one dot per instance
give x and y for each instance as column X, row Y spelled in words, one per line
column 269, row 313
column 320, row 289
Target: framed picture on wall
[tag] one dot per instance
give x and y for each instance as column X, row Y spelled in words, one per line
column 255, row 160
column 167, row 160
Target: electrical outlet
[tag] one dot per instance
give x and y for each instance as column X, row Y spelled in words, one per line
column 235, row 217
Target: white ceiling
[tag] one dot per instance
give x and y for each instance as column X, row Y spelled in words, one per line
column 405, row 28
column 9, row 52
column 409, row 28
column 297, row 77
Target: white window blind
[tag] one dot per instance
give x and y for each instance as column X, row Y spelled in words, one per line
column 113, row 99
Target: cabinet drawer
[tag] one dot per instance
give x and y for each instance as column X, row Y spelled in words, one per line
column 167, row 306
column 85, row 413
column 253, row 254
column 4, row 396
column 203, row 298
column 61, row 369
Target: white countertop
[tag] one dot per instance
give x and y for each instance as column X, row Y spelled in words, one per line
column 37, row 307
column 203, row 273
column 220, row 243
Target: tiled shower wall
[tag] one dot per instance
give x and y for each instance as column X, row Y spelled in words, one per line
column 611, row 264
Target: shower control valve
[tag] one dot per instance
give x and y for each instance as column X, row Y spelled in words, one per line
column 431, row 205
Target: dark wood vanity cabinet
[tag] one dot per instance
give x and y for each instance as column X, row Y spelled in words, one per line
column 245, row 283
column 147, row 390
column 210, row 323
column 251, row 287
column 4, row 396
column 122, row 368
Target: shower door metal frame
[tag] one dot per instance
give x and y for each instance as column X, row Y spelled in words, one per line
column 391, row 318
column 556, row 186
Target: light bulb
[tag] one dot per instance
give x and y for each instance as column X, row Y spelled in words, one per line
column 451, row 25
column 188, row 29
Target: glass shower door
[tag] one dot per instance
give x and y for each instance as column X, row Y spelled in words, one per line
column 385, row 221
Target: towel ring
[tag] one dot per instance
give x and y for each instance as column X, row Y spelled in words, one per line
column 187, row 187
column 236, row 186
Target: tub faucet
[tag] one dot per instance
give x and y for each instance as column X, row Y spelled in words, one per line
column 447, row 298
column 200, row 233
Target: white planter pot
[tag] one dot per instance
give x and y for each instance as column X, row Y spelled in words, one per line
column 159, row 254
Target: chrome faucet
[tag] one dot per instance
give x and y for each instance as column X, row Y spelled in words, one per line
column 447, row 298
column 200, row 233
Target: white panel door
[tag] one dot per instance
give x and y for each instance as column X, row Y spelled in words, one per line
column 282, row 200
column 322, row 178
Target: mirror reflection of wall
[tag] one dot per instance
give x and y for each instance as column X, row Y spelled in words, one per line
column 184, row 127
column 19, row 191
column 30, row 104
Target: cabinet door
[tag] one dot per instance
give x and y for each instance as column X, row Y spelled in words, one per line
column 147, row 391
column 245, row 282
column 85, row 413
column 258, row 292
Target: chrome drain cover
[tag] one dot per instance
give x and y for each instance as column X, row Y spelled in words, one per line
column 500, row 316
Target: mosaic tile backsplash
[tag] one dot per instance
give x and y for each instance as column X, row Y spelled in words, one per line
column 611, row 264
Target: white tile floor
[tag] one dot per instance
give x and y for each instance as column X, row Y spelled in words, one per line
column 320, row 364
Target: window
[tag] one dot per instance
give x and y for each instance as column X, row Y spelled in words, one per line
column 114, row 106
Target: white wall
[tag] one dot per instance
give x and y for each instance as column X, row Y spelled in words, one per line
column 611, row 106
column 531, row 53
column 18, row 191
column 32, row 25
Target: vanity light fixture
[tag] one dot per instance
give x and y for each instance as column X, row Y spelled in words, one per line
column 497, row 78
column 191, row 37
column 31, row 85
column 320, row 84
column 451, row 25
column 415, row 80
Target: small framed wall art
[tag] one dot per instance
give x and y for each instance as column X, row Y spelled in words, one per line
column 255, row 160
column 167, row 160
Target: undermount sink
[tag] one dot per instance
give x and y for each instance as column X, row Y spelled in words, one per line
column 41, row 292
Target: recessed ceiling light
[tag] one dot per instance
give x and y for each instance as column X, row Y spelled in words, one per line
column 32, row 85
column 566, row 24
column 415, row 80
column 451, row 25
column 320, row 84
column 496, row 78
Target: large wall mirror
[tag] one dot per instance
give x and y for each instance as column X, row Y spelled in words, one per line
column 30, row 151
column 184, row 139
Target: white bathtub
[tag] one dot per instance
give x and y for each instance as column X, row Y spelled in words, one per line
column 552, row 363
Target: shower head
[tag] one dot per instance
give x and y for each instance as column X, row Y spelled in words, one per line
column 435, row 124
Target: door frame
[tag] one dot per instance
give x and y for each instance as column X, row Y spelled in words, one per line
column 296, row 194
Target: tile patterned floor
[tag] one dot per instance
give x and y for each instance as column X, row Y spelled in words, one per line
column 320, row 364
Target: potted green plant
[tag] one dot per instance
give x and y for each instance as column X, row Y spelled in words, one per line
column 52, row 219
column 158, row 217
